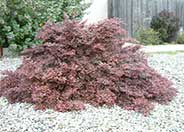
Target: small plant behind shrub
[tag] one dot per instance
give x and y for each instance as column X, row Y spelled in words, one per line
column 78, row 64
column 167, row 24
column 148, row 37
column 180, row 39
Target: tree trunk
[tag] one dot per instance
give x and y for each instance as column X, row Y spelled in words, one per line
column 1, row 51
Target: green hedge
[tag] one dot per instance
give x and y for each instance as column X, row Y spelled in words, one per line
column 21, row 19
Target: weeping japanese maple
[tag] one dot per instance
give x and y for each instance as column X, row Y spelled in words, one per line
column 81, row 64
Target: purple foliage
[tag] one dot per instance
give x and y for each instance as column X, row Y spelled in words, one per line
column 78, row 64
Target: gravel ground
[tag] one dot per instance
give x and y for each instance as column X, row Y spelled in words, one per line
column 164, row 118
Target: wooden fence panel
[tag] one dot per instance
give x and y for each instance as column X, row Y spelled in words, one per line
column 137, row 13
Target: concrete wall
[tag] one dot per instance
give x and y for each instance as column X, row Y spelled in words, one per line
column 97, row 11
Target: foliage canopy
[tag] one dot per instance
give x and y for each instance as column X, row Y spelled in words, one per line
column 78, row 64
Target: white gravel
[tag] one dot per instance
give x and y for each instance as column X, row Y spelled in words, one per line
column 23, row 118
column 9, row 64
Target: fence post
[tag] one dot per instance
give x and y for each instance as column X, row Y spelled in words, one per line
column 109, row 10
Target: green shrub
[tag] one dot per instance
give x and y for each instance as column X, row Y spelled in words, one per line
column 180, row 39
column 18, row 24
column 55, row 9
column 167, row 24
column 21, row 19
column 148, row 37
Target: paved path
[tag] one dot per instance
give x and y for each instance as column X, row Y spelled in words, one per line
column 161, row 48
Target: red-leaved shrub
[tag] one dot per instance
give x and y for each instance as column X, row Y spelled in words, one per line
column 78, row 64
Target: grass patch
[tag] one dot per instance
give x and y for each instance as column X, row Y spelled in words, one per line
column 167, row 52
